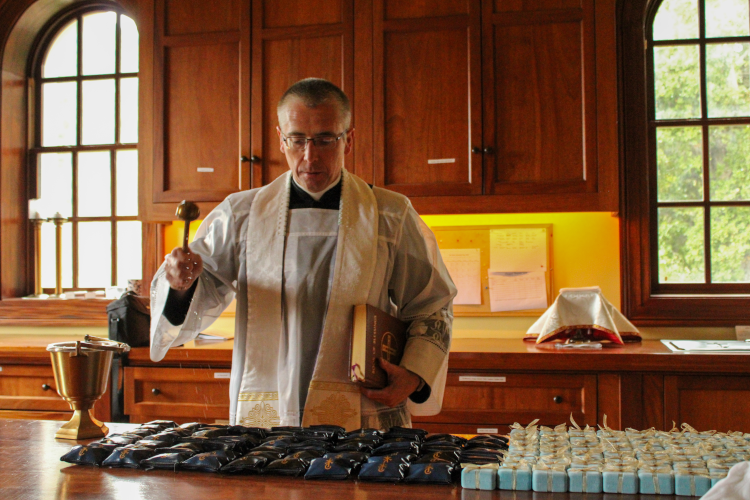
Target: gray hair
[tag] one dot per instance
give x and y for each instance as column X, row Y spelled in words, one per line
column 316, row 91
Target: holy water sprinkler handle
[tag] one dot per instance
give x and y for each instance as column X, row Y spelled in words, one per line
column 187, row 211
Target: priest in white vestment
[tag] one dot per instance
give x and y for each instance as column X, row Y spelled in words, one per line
column 298, row 255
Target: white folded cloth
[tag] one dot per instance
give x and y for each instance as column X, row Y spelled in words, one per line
column 736, row 486
column 583, row 309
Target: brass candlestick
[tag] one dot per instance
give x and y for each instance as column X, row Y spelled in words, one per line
column 58, row 220
column 37, row 223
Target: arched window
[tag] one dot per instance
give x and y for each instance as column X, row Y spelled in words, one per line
column 687, row 161
column 85, row 147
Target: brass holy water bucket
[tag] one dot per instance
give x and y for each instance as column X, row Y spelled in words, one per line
column 81, row 374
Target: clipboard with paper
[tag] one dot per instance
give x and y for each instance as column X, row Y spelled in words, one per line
column 499, row 270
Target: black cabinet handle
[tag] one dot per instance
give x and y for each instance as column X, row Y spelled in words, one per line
column 476, row 150
column 155, row 391
column 244, row 159
column 255, row 159
column 488, row 150
column 46, row 387
column 557, row 399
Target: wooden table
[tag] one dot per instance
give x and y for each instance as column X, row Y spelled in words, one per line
column 30, row 468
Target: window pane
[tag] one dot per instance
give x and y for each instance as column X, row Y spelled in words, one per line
column 128, row 45
column 127, row 183
column 727, row 18
column 676, row 19
column 48, row 255
column 59, row 104
column 681, row 254
column 56, row 184
column 62, row 55
column 129, row 110
column 728, row 79
column 94, row 254
column 94, row 184
column 677, row 82
column 730, row 255
column 99, row 36
column 98, row 114
column 729, row 162
column 679, row 163
column 128, row 252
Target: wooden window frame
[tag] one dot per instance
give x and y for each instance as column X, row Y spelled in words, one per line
column 644, row 300
column 17, row 20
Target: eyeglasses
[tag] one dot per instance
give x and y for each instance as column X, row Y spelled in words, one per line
column 299, row 143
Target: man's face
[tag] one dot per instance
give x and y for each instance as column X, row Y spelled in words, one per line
column 314, row 167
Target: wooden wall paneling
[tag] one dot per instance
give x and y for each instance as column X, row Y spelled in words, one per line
column 541, row 101
column 632, row 401
column 427, row 110
column 654, row 402
column 689, row 399
column 285, row 52
column 609, row 395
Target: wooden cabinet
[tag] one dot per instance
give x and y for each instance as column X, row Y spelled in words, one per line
column 194, row 103
column 709, row 402
column 465, row 106
column 427, row 97
column 179, row 394
column 495, row 400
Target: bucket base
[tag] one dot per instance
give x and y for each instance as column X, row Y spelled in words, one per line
column 83, row 425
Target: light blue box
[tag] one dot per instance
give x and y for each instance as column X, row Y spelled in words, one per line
column 580, row 481
column 691, row 484
column 620, row 482
column 479, row 479
column 549, row 480
column 716, row 476
column 517, row 478
column 653, row 483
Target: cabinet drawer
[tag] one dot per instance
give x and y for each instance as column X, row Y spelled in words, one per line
column 29, row 387
column 495, row 400
column 178, row 394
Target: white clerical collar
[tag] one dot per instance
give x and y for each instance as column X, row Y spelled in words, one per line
column 317, row 196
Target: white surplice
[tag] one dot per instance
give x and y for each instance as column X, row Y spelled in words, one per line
column 376, row 251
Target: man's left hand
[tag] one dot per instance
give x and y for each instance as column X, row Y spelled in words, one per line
column 401, row 384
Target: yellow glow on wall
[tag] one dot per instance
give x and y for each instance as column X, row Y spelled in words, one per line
column 585, row 245
column 173, row 234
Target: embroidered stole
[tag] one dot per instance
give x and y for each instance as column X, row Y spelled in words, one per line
column 332, row 398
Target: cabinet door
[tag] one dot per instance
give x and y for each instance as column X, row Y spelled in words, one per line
column 179, row 394
column 199, row 99
column 292, row 42
column 476, row 401
column 426, row 97
column 711, row 402
column 540, row 98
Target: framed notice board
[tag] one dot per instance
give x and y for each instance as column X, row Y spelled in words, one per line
column 482, row 240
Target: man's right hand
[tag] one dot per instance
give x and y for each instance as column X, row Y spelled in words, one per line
column 183, row 268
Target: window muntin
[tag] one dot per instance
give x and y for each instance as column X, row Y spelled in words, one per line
column 87, row 157
column 700, row 118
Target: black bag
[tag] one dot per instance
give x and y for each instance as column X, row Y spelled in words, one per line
column 129, row 320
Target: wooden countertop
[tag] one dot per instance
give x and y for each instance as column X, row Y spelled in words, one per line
column 30, row 468
column 466, row 355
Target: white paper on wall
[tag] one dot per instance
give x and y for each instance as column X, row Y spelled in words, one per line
column 518, row 249
column 517, row 291
column 464, row 268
